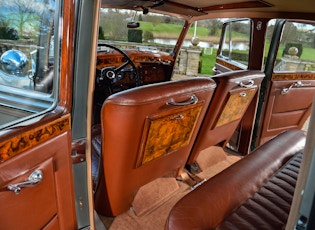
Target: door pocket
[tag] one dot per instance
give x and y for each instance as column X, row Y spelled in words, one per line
column 35, row 201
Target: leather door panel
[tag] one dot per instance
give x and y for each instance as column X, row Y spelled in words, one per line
column 49, row 204
column 287, row 110
column 37, row 196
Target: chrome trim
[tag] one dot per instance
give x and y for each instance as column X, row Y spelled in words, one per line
column 297, row 84
column 247, row 84
column 192, row 100
column 33, row 179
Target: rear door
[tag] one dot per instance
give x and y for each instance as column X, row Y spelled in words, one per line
column 289, row 86
column 35, row 124
column 284, row 50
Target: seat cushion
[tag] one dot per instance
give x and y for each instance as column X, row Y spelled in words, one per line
column 210, row 204
column 96, row 156
column 96, row 149
column 270, row 206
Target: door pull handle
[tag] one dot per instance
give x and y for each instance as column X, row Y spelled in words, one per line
column 247, row 84
column 33, row 179
column 295, row 84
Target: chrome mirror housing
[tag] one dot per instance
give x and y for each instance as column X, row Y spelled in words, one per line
column 14, row 62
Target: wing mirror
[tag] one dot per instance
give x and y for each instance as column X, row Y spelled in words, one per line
column 14, row 62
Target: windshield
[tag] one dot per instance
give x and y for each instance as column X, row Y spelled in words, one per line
column 148, row 31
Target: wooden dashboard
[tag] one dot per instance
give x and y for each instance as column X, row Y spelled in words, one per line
column 152, row 66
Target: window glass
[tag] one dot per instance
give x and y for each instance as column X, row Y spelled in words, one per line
column 269, row 33
column 26, row 59
column 203, row 37
column 236, row 41
column 145, row 31
column 296, row 48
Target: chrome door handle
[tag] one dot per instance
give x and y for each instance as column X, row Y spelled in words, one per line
column 33, row 179
column 295, row 84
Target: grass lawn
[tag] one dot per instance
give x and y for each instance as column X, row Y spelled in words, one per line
column 207, row 63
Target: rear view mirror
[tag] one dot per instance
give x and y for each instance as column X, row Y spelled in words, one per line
column 133, row 25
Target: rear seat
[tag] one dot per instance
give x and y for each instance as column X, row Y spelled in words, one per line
column 254, row 193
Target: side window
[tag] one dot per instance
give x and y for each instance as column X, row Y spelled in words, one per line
column 296, row 48
column 26, row 59
column 236, row 41
column 199, row 49
column 268, row 38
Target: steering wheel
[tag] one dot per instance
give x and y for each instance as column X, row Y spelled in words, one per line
column 110, row 76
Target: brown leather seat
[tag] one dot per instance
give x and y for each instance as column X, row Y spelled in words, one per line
column 254, row 193
column 274, row 201
column 234, row 92
column 147, row 132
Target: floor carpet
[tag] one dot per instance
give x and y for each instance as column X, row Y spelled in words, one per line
column 155, row 200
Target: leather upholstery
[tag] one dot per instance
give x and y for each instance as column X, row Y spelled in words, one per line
column 48, row 204
column 96, row 153
column 270, row 206
column 212, row 202
column 288, row 111
column 228, row 84
column 127, row 119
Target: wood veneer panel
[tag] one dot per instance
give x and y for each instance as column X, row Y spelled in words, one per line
column 235, row 106
column 31, row 138
column 168, row 132
column 228, row 65
column 293, row 76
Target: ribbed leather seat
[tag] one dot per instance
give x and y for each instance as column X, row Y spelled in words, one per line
column 254, row 193
column 269, row 207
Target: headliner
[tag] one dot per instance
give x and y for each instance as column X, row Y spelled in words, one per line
column 198, row 9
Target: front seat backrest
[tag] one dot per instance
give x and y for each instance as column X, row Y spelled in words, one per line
column 234, row 92
column 147, row 132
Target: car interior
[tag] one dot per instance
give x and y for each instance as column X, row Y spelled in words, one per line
column 223, row 141
column 157, row 114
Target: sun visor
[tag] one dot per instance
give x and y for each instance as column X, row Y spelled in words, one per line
column 179, row 9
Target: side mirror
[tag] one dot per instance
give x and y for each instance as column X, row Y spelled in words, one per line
column 133, row 25
column 14, row 62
